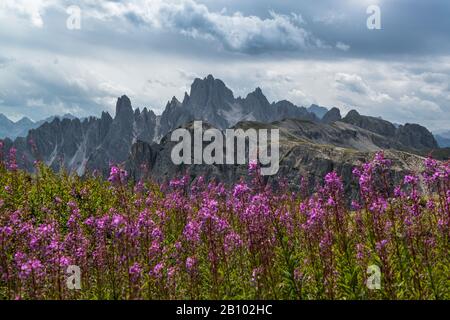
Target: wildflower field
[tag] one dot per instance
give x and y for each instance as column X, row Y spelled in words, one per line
column 199, row 240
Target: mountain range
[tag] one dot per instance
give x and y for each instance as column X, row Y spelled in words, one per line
column 12, row 130
column 443, row 138
column 313, row 140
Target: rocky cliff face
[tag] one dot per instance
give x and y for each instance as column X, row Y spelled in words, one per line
column 91, row 144
column 411, row 136
column 307, row 149
column 12, row 130
column 332, row 116
column 210, row 100
column 373, row 124
column 416, row 136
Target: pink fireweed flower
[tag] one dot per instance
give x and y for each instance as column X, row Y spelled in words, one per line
column 333, row 181
column 157, row 234
column 192, row 231
column 179, row 183
column 12, row 164
column 381, row 160
column 191, row 264
column 117, row 175
column 356, row 172
column 157, row 271
column 252, row 166
column 298, row 275
column 381, row 246
column 31, row 267
column 326, row 242
column 240, row 189
column 355, row 205
column 64, row 261
column 410, row 180
column 256, row 275
column 154, row 250
column 139, row 188
column 430, row 204
column 331, row 202
column 232, row 242
column 171, row 273
column 360, row 251
column 379, row 205
column 135, row 272
column 398, row 193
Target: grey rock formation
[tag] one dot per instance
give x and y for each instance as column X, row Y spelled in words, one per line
column 91, row 144
column 84, row 145
column 373, row 124
column 318, row 110
column 307, row 149
column 12, row 130
column 411, row 136
column 332, row 116
column 287, row 110
column 416, row 136
column 211, row 101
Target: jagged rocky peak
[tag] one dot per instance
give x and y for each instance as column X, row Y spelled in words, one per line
column 186, row 98
column 209, row 92
column 258, row 95
column 352, row 114
column 24, row 121
column 332, row 116
column 175, row 100
column 124, row 108
column 373, row 124
column 106, row 116
column 174, row 103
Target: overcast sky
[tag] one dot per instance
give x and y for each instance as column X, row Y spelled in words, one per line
column 305, row 51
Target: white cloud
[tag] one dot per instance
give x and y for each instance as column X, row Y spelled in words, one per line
column 30, row 9
column 415, row 104
column 235, row 32
column 330, row 18
column 300, row 98
column 342, row 46
column 123, row 44
column 354, row 83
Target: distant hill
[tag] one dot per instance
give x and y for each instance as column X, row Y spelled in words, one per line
column 443, row 141
column 12, row 130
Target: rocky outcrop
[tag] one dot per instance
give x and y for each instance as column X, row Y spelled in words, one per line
column 87, row 145
column 210, row 100
column 286, row 110
column 84, row 145
column 410, row 136
column 373, row 124
column 415, row 136
column 12, row 130
column 332, row 116
column 307, row 149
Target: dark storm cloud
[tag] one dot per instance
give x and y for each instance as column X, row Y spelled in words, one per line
column 154, row 49
column 412, row 27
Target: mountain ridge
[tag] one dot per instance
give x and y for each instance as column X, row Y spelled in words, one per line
column 85, row 145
